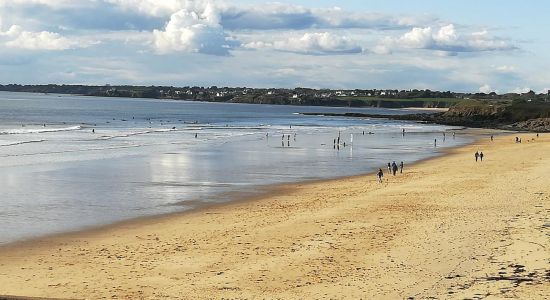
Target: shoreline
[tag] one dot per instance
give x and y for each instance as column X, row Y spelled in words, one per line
column 253, row 193
column 291, row 199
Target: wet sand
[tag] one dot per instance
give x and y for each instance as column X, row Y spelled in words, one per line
column 447, row 228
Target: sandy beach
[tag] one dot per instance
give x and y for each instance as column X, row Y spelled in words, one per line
column 448, row 228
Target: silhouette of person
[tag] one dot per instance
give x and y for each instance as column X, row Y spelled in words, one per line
column 476, row 155
column 481, row 156
column 401, row 167
column 380, row 175
column 394, row 168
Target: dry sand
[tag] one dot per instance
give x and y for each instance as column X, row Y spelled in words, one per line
column 449, row 228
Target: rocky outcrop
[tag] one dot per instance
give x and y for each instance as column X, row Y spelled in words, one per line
column 535, row 125
column 522, row 117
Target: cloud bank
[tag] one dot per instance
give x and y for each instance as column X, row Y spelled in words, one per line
column 446, row 38
column 284, row 43
column 16, row 37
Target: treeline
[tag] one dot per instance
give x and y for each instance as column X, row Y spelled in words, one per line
column 297, row 96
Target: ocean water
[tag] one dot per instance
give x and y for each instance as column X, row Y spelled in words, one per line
column 149, row 157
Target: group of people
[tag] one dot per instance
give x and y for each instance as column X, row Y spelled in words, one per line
column 283, row 139
column 392, row 169
column 479, row 156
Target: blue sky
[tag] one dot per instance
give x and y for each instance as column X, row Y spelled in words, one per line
column 472, row 46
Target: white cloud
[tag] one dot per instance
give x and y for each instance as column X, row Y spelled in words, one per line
column 34, row 2
column 446, row 38
column 505, row 69
column 163, row 8
column 485, row 89
column 274, row 15
column 521, row 90
column 312, row 43
column 193, row 31
column 16, row 37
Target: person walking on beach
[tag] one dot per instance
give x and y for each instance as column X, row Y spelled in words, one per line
column 401, row 167
column 380, row 175
column 481, row 156
column 476, row 155
column 491, row 138
column 389, row 167
column 394, row 168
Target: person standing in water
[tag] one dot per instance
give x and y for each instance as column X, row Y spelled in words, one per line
column 435, row 142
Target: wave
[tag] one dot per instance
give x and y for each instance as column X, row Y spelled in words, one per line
column 124, row 135
column 38, row 130
column 21, row 143
column 75, row 150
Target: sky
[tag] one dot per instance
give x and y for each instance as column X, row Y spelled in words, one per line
column 463, row 46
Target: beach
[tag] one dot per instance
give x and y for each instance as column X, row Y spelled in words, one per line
column 448, row 227
column 97, row 167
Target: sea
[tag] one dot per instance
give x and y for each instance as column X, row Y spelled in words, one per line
column 70, row 163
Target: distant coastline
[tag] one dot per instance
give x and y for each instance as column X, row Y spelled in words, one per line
column 385, row 98
column 522, row 112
